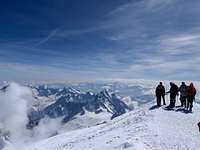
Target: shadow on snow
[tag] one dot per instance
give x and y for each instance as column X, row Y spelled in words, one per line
column 154, row 107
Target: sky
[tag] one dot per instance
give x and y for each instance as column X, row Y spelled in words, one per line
column 76, row 40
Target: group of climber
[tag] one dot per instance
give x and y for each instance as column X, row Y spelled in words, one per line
column 187, row 95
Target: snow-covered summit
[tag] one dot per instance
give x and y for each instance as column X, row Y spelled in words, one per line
column 84, row 119
column 142, row 129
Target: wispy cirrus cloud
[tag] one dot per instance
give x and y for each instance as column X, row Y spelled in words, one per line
column 176, row 57
column 162, row 37
column 181, row 43
column 139, row 39
column 48, row 37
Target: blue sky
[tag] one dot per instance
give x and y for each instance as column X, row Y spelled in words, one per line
column 68, row 40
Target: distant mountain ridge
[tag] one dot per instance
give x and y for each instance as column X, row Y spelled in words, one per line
column 69, row 102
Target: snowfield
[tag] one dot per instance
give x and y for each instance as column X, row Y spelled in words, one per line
column 142, row 129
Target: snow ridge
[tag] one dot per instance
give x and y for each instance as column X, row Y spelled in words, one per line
column 142, row 129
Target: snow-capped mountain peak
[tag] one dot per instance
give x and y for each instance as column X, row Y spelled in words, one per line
column 69, row 102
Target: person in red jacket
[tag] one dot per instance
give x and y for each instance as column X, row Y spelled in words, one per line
column 191, row 92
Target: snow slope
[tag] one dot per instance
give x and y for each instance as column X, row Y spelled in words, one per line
column 142, row 129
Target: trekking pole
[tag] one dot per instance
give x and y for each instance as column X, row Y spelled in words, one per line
column 195, row 100
column 167, row 98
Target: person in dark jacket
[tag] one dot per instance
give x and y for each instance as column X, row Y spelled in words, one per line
column 191, row 92
column 198, row 124
column 173, row 93
column 160, row 93
column 183, row 94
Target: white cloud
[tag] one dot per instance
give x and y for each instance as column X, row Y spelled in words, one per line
column 137, row 19
column 159, row 35
column 162, row 37
column 48, row 37
column 188, row 43
column 15, row 103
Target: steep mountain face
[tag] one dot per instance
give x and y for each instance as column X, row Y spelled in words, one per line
column 45, row 91
column 3, row 89
column 69, row 102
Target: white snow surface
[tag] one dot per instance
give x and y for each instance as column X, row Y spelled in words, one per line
column 89, row 119
column 141, row 129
